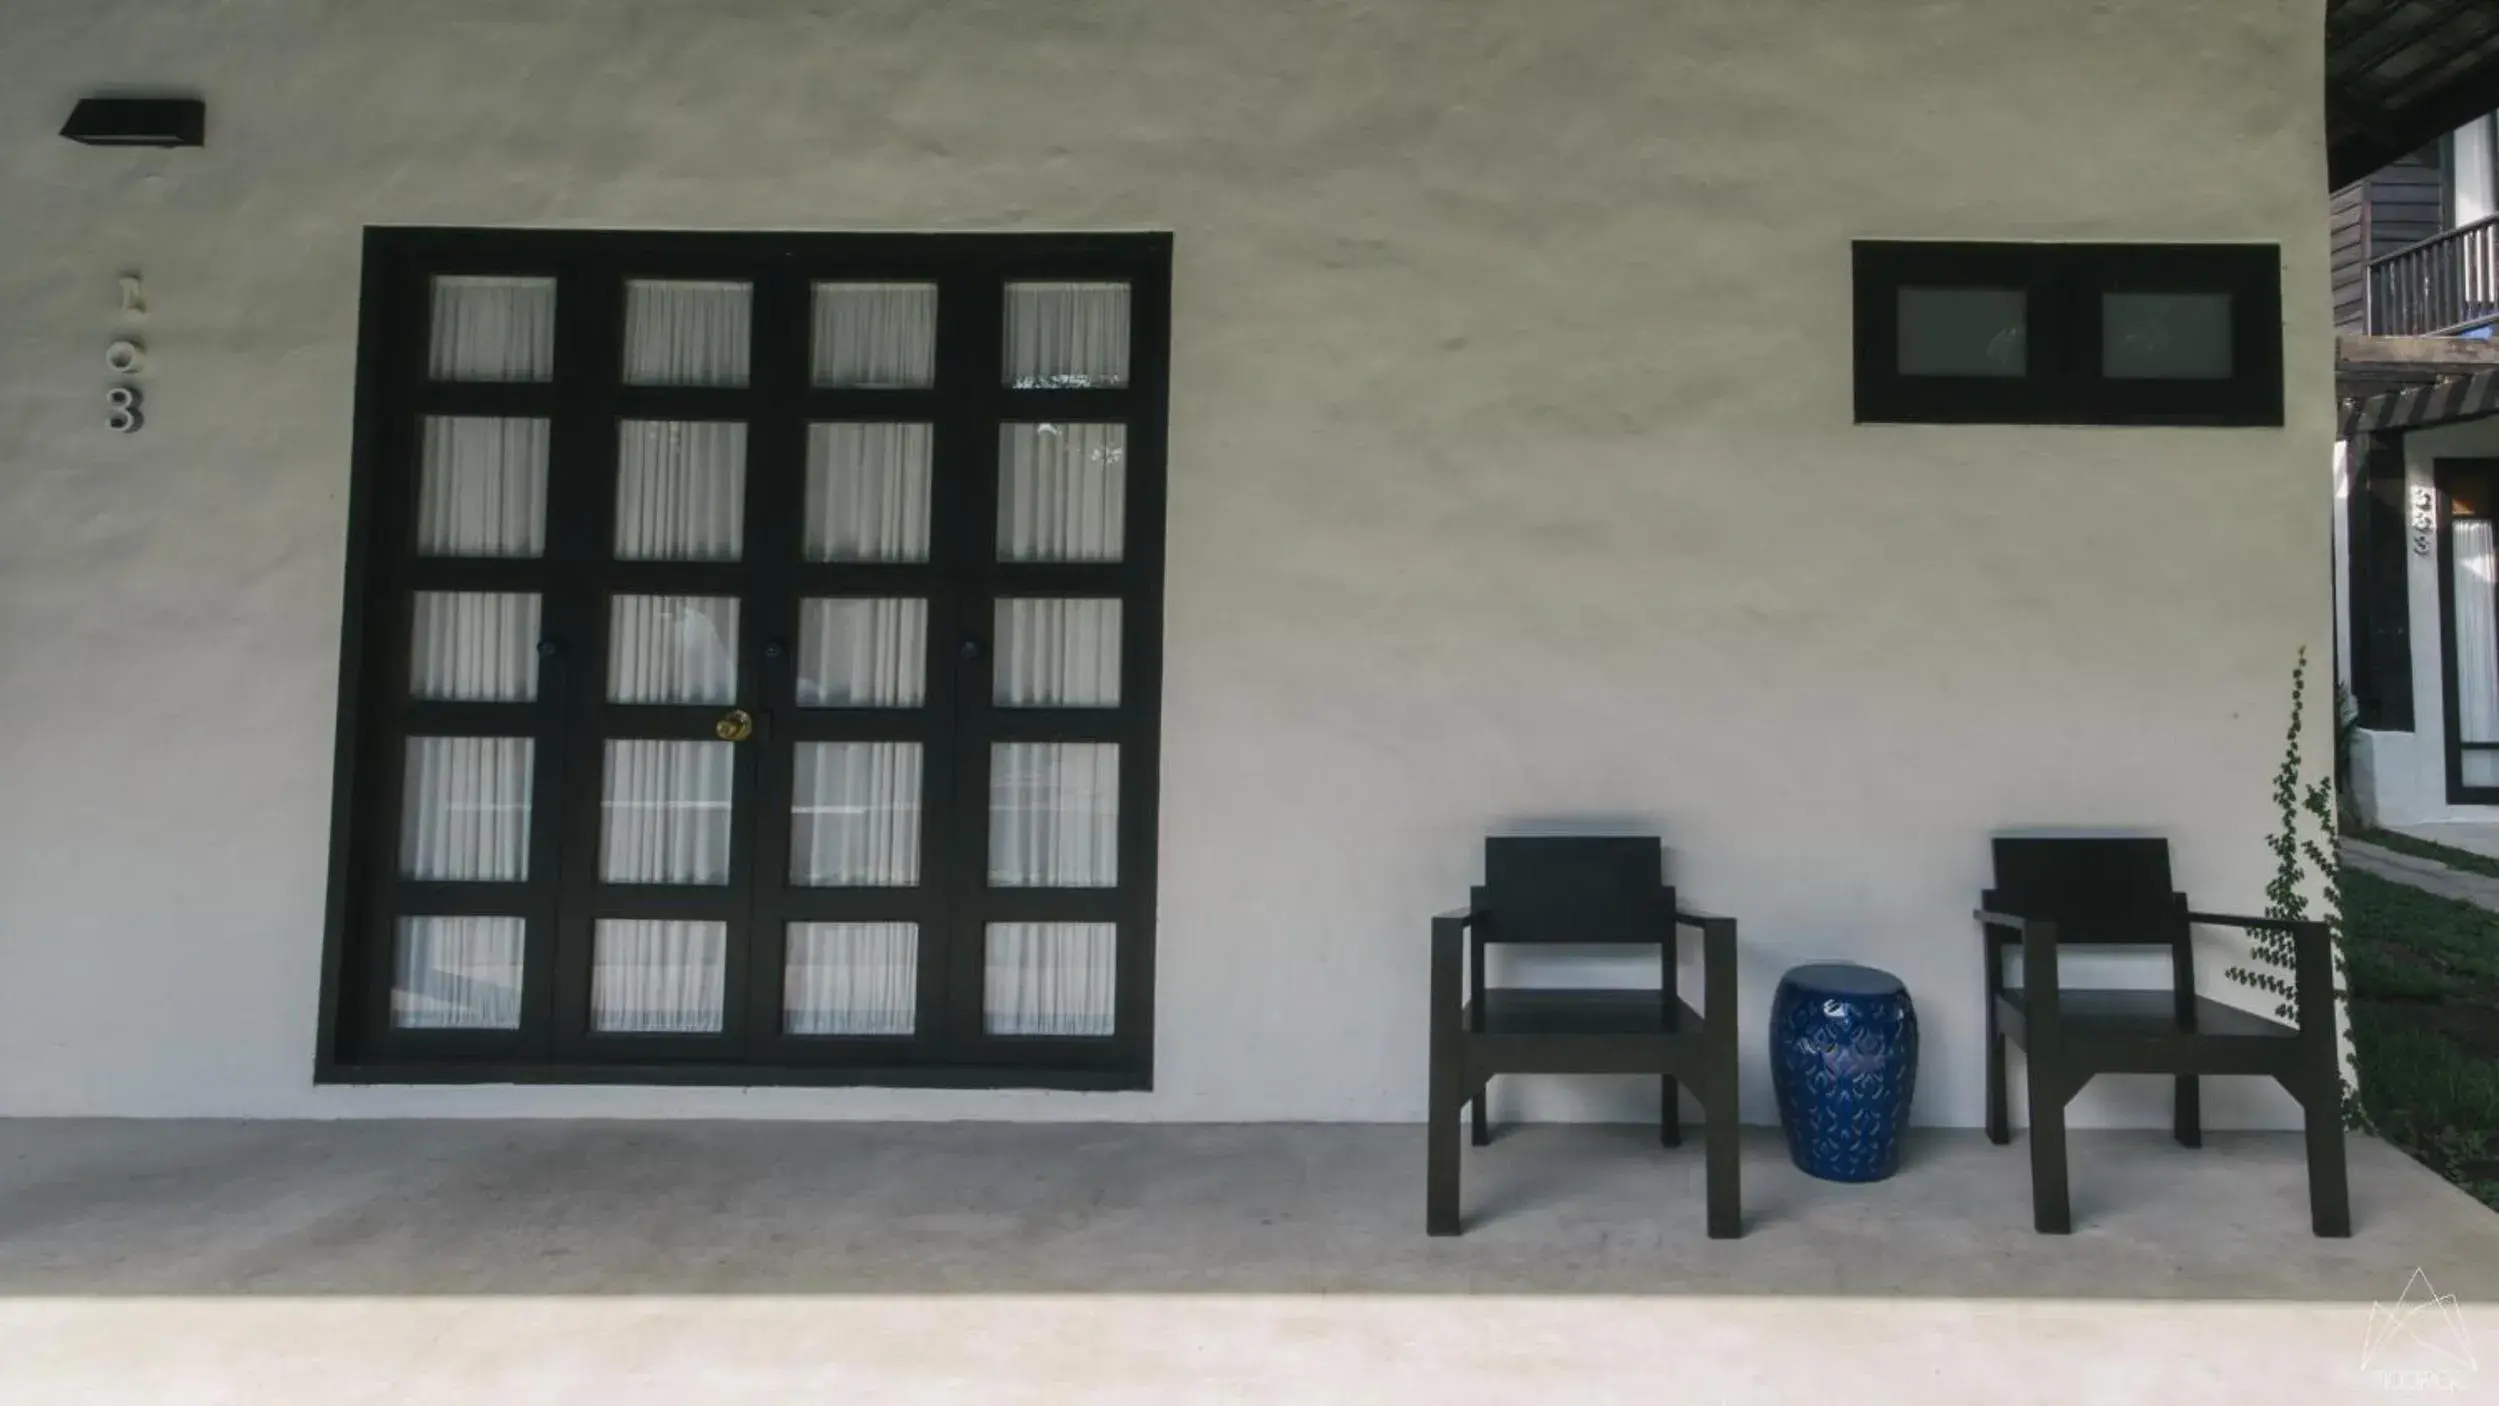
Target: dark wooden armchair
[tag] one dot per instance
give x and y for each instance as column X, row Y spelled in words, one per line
column 1580, row 890
column 2056, row 893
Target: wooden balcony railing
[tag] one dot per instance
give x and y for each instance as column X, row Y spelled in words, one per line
column 2446, row 285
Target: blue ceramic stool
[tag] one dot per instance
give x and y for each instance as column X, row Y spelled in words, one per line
column 1844, row 1060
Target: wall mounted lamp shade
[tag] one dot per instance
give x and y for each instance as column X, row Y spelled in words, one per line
column 138, row 122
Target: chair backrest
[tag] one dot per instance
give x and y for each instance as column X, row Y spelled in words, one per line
column 1575, row 888
column 2101, row 890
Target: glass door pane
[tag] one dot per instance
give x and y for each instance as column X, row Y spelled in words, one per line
column 458, row 974
column 1050, row 978
column 659, row 977
column 2476, row 569
column 667, row 812
column 1054, row 815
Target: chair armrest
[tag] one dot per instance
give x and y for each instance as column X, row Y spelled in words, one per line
column 2312, row 962
column 2000, row 918
column 2293, row 926
column 1463, row 917
column 1717, row 966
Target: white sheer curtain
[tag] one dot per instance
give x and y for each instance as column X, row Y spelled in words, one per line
column 1051, row 978
column 851, row 979
column 664, row 812
column 474, row 646
column 483, row 489
column 1067, row 335
column 658, row 976
column 2477, row 648
column 465, row 811
column 1062, row 492
column 1057, row 654
column 867, row 492
column 680, row 491
column 862, row 653
column 1054, row 814
column 458, row 974
column 855, row 815
column 687, row 334
column 672, row 649
column 875, row 334
column 493, row 329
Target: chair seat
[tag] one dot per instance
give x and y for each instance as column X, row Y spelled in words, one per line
column 2152, row 1014
column 1578, row 1011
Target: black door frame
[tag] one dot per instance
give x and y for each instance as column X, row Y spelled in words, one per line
column 2458, row 793
column 357, row 1043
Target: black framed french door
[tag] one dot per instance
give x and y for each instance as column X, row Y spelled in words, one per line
column 752, row 661
column 2468, row 617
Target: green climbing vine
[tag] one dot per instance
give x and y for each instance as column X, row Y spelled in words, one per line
column 2302, row 848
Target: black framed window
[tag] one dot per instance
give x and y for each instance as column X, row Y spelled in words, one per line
column 752, row 660
column 2073, row 334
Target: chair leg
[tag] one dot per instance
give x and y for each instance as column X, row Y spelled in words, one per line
column 2329, row 1185
column 1446, row 1086
column 1999, row 1113
column 1483, row 1112
column 1670, row 1114
column 2052, row 1212
column 2189, row 1120
column 1440, row 1192
column 1722, row 1146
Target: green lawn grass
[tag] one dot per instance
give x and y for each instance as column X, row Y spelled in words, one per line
column 2424, row 976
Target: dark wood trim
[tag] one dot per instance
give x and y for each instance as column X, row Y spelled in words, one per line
column 2064, row 284
column 2378, row 582
column 569, row 720
column 488, row 1069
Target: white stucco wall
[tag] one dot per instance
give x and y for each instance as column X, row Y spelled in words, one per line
column 2403, row 775
column 1513, row 478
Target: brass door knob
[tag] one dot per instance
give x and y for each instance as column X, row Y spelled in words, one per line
column 734, row 726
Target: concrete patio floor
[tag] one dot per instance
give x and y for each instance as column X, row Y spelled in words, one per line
column 499, row 1261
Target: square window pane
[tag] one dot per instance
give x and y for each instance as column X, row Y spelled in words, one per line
column 687, row 334
column 1055, row 653
column 680, row 491
column 1054, row 815
column 457, row 974
column 464, row 810
column 2165, row 336
column 1964, row 332
column 1062, row 492
column 862, row 653
column 483, row 490
column 855, row 815
column 672, row 649
column 867, row 492
column 1067, row 335
column 492, row 329
column 474, row 646
column 1051, row 979
column 875, row 335
column 851, row 979
column 664, row 812
column 658, row 977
